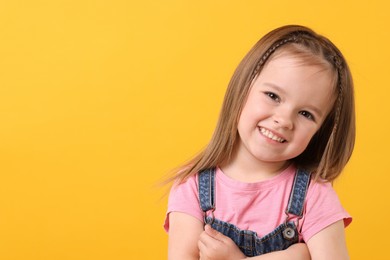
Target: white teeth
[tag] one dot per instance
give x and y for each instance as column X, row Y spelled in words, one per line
column 270, row 135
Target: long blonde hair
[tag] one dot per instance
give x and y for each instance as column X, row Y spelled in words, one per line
column 330, row 148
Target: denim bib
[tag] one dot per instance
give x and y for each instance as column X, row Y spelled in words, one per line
column 248, row 241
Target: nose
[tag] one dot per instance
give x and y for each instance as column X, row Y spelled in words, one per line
column 283, row 120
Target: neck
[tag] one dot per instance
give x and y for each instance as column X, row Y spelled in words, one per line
column 248, row 169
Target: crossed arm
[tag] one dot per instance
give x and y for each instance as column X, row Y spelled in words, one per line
column 188, row 239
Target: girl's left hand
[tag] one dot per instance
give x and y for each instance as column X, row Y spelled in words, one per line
column 213, row 245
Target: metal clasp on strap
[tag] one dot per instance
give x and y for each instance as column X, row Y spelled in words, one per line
column 208, row 221
column 288, row 232
column 296, row 203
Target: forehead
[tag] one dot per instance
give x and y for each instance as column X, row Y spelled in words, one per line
column 301, row 82
column 298, row 55
column 303, row 54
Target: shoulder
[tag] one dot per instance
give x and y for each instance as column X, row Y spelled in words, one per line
column 184, row 191
column 183, row 197
column 190, row 183
column 322, row 209
column 321, row 192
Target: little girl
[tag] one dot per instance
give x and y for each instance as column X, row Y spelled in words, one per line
column 261, row 188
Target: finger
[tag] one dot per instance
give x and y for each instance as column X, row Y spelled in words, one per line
column 201, row 246
column 214, row 233
column 205, row 238
column 204, row 245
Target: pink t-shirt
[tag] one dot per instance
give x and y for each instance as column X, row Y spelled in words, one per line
column 260, row 206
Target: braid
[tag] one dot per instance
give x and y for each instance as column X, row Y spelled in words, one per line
column 293, row 37
column 271, row 50
column 324, row 169
column 339, row 100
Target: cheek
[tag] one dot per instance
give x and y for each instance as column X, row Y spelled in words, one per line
column 254, row 109
column 246, row 115
column 242, row 122
column 307, row 134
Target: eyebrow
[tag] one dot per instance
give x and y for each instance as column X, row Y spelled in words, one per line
column 276, row 87
column 279, row 89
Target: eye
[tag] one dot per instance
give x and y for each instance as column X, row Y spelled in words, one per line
column 307, row 114
column 273, row 96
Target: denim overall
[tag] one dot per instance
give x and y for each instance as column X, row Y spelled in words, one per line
column 250, row 244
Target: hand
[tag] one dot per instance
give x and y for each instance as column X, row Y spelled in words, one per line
column 213, row 245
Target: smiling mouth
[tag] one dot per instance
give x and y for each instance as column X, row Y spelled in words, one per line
column 271, row 135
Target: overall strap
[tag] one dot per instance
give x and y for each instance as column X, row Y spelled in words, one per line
column 206, row 189
column 298, row 193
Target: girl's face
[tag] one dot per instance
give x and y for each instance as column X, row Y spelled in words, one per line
column 286, row 105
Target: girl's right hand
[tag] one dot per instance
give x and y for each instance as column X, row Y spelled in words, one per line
column 213, row 245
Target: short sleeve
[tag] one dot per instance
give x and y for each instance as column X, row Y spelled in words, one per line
column 323, row 208
column 184, row 198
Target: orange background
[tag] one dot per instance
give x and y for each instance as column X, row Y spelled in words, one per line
column 99, row 99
